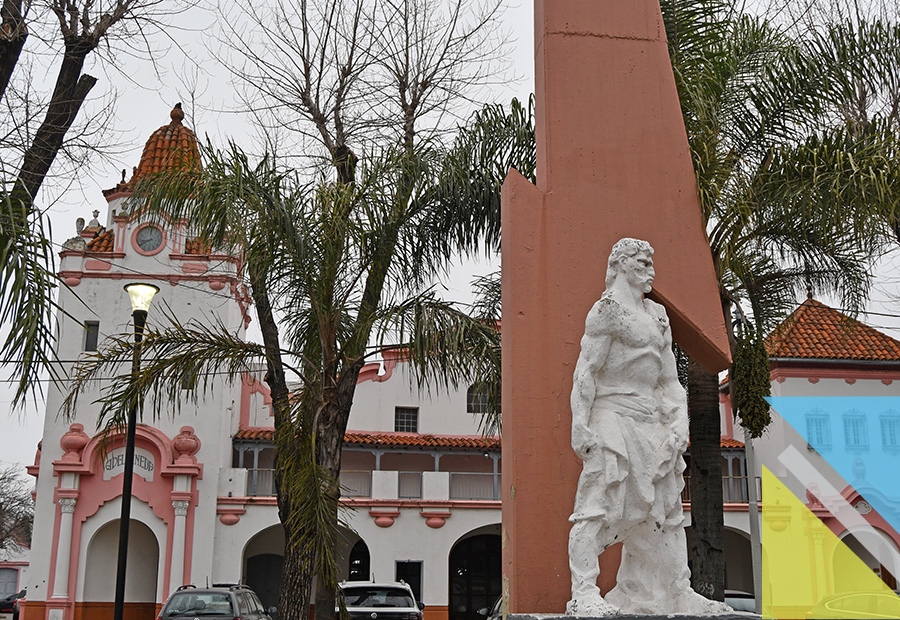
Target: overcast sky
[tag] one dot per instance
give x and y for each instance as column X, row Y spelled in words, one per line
column 142, row 94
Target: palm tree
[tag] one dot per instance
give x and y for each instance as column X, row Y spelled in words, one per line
column 796, row 165
column 796, row 195
column 27, row 297
column 338, row 271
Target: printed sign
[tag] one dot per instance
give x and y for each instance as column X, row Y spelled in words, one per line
column 114, row 463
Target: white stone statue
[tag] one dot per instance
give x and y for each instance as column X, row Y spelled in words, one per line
column 630, row 427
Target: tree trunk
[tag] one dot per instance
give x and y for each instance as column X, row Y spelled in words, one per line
column 332, row 424
column 296, row 572
column 707, row 549
column 13, row 33
column 296, row 580
column 71, row 89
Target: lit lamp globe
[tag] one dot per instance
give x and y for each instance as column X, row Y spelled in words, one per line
column 141, row 295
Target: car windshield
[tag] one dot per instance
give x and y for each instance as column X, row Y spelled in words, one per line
column 377, row 597
column 198, row 604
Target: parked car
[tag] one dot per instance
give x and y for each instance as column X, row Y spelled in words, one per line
column 379, row 601
column 10, row 604
column 857, row 605
column 495, row 612
column 231, row 601
column 740, row 601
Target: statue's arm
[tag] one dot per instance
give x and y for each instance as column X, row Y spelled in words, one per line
column 672, row 395
column 594, row 350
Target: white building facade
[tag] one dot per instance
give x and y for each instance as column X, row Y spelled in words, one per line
column 422, row 484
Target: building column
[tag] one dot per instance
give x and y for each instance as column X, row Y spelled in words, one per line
column 176, row 572
column 63, row 547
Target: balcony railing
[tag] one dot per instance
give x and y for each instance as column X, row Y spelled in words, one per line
column 463, row 485
column 260, row 482
column 356, row 483
column 734, row 489
column 409, row 484
column 474, row 486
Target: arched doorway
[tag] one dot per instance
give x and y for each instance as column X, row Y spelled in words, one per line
column 359, row 562
column 862, row 543
column 142, row 569
column 475, row 573
column 263, row 562
column 738, row 561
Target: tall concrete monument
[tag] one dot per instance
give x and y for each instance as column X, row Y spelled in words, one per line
column 613, row 162
column 630, row 428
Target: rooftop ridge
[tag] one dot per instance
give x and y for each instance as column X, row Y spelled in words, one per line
column 816, row 331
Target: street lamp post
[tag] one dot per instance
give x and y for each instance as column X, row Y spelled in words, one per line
column 141, row 295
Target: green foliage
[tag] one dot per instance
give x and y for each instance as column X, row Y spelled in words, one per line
column 795, row 154
column 27, row 289
column 752, row 383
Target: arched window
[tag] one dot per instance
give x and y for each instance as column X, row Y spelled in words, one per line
column 478, row 398
column 359, row 562
column 475, row 576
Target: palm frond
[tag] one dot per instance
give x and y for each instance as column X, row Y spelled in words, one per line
column 181, row 362
column 28, row 285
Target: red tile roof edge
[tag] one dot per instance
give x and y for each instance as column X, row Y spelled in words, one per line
column 414, row 440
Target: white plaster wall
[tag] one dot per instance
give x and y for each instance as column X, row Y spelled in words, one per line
column 738, row 520
column 108, row 513
column 441, row 412
column 231, row 540
column 213, row 416
column 409, row 538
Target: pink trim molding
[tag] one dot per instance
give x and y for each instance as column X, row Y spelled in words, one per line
column 435, row 519
column 384, row 518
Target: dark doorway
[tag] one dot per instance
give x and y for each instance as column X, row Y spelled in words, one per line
column 264, row 577
column 359, row 562
column 475, row 576
column 410, row 572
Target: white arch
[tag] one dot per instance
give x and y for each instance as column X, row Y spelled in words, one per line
column 877, row 544
column 109, row 512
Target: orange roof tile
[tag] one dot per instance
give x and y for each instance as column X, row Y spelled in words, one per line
column 815, row 331
column 102, row 242
column 412, row 440
column 170, row 147
column 196, row 246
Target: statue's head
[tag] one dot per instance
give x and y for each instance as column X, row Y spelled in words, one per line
column 633, row 257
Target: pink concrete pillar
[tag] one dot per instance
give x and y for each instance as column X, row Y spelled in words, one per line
column 613, row 161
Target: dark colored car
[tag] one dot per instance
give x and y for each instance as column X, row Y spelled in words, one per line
column 234, row 602
column 380, row 601
column 495, row 612
column 11, row 603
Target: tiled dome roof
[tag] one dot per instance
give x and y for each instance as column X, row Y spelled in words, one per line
column 170, row 147
column 815, row 331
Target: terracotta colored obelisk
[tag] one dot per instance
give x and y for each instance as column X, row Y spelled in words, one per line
column 613, row 161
